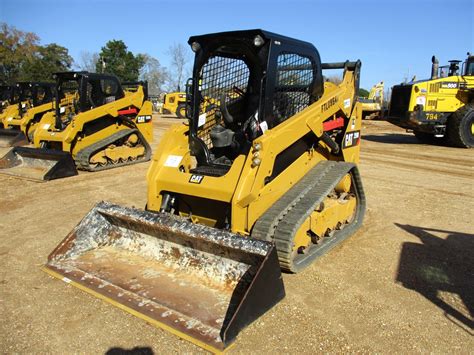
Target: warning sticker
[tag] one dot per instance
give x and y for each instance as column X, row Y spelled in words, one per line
column 421, row 100
column 202, row 120
column 173, row 161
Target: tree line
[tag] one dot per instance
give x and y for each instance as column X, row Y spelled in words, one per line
column 23, row 58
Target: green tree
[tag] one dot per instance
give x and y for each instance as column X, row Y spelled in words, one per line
column 48, row 59
column 115, row 58
column 16, row 47
column 363, row 93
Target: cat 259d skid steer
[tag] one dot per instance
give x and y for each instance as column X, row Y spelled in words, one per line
column 104, row 127
column 265, row 179
column 31, row 101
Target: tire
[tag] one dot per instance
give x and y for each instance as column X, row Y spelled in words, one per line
column 459, row 131
column 426, row 138
column 181, row 111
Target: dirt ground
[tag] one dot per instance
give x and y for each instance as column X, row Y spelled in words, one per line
column 403, row 283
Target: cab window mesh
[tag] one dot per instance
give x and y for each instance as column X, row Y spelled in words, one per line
column 5, row 94
column 293, row 85
column 109, row 88
column 27, row 94
column 43, row 95
column 68, row 92
column 99, row 93
column 220, row 75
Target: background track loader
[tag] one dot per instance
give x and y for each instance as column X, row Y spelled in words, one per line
column 102, row 128
column 264, row 180
column 32, row 101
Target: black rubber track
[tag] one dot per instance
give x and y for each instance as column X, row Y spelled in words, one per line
column 83, row 156
column 281, row 222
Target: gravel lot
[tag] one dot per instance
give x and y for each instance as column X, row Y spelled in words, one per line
column 403, row 283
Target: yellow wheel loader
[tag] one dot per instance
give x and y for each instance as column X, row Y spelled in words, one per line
column 372, row 106
column 440, row 108
column 35, row 100
column 104, row 128
column 264, row 181
column 174, row 103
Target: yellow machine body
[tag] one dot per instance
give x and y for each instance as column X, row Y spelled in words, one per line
column 32, row 118
column 69, row 138
column 93, row 132
column 9, row 113
column 243, row 188
column 372, row 106
column 174, row 103
column 30, row 100
column 263, row 178
column 440, row 108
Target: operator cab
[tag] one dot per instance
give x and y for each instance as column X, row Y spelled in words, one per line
column 469, row 65
column 6, row 96
column 453, row 67
column 87, row 91
column 232, row 99
column 31, row 94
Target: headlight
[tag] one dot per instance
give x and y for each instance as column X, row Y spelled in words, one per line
column 195, row 47
column 258, row 41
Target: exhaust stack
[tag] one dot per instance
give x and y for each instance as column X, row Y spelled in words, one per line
column 434, row 68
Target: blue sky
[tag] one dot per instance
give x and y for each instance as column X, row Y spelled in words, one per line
column 394, row 39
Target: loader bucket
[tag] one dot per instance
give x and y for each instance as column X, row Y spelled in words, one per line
column 200, row 283
column 37, row 164
column 12, row 138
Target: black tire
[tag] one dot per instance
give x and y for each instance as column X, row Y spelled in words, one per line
column 459, row 128
column 181, row 111
column 426, row 138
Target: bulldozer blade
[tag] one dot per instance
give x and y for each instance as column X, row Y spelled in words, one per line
column 12, row 138
column 37, row 164
column 198, row 282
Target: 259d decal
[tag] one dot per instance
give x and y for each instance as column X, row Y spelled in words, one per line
column 351, row 139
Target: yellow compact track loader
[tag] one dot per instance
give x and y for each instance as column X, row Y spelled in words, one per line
column 10, row 97
column 264, row 181
column 440, row 108
column 372, row 106
column 34, row 100
column 105, row 128
column 175, row 103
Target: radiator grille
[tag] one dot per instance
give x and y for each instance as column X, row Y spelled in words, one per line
column 435, row 87
column 433, row 104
